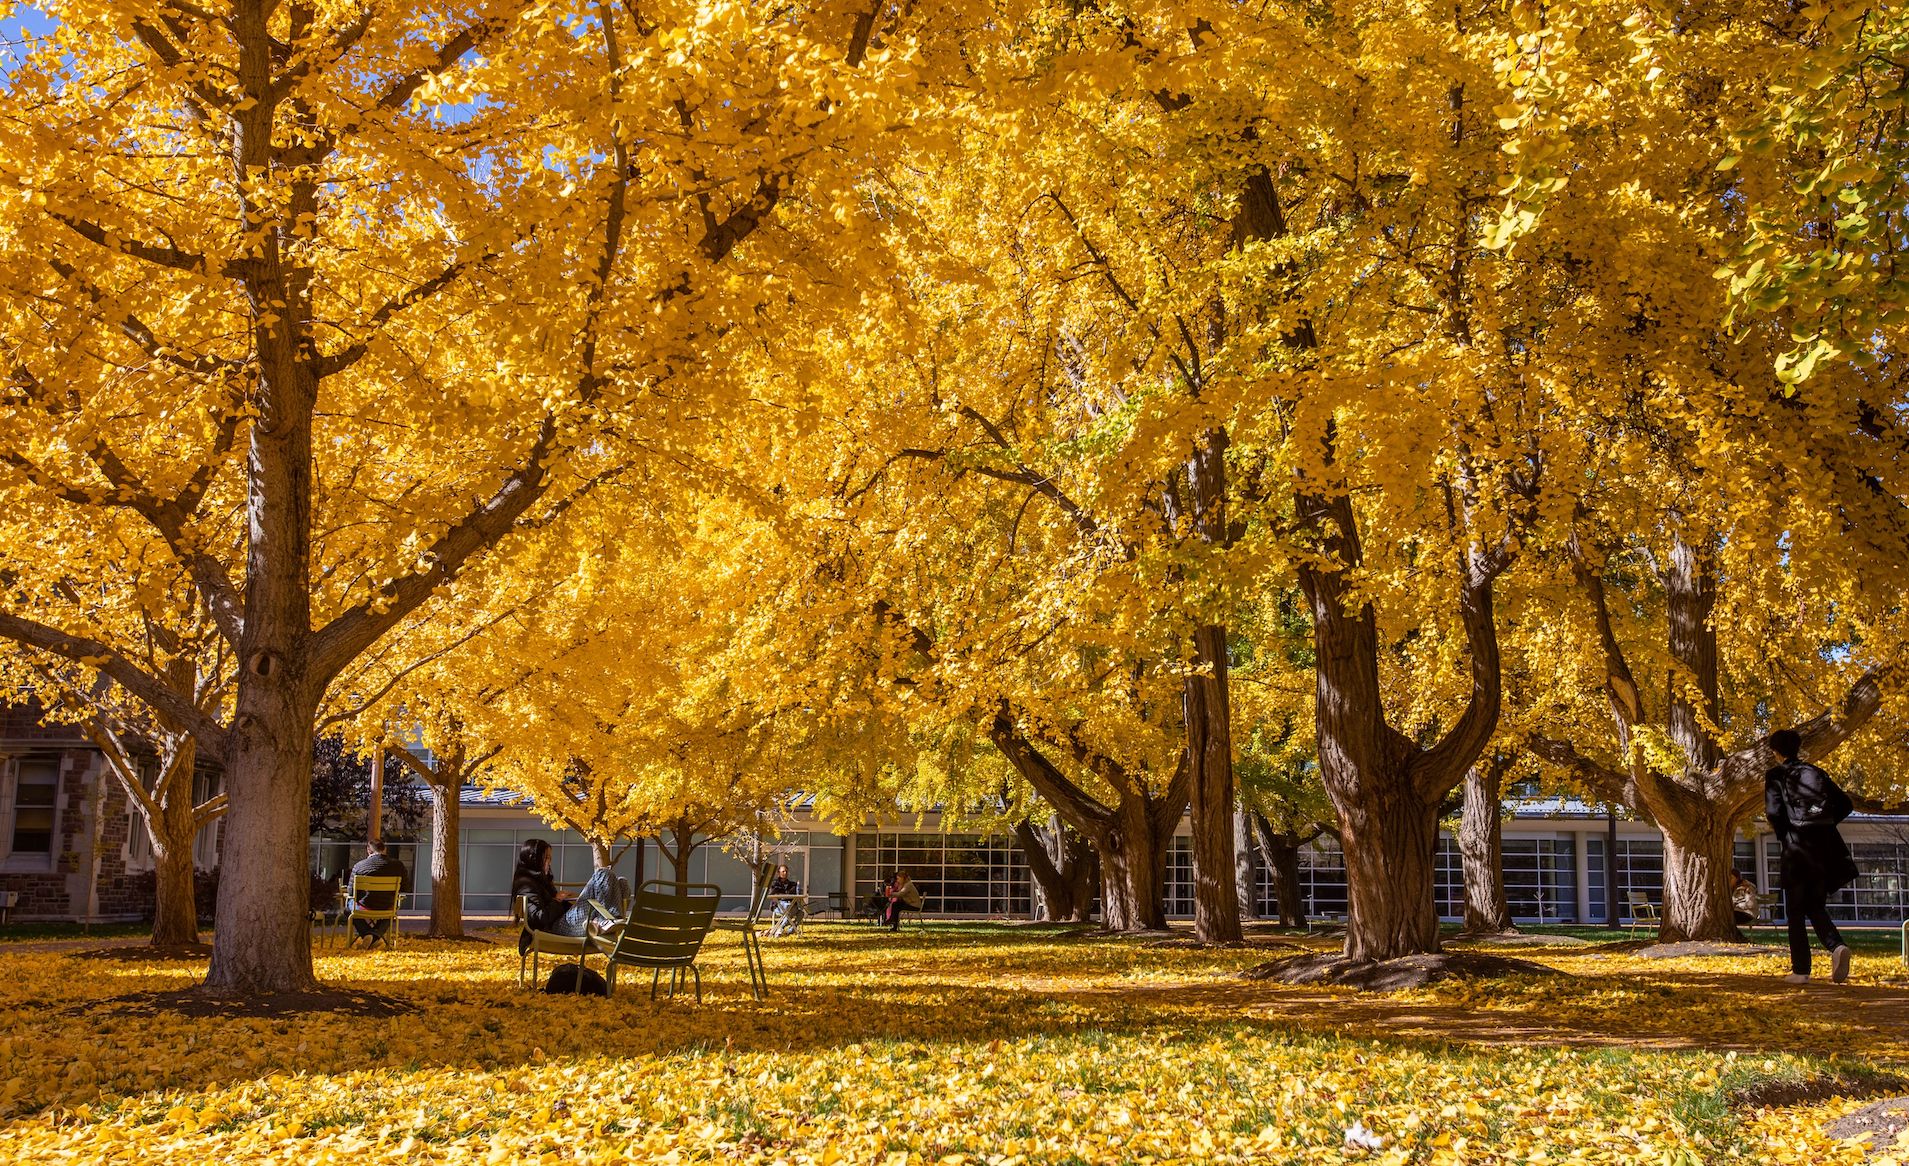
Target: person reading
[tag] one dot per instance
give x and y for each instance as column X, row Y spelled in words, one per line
column 549, row 910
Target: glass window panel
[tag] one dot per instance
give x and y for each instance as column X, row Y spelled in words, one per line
column 35, row 797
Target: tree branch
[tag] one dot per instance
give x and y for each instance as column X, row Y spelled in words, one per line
column 1603, row 781
column 139, row 683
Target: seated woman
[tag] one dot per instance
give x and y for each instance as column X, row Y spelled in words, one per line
column 902, row 896
column 550, row 910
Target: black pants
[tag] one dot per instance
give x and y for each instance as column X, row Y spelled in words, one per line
column 1806, row 903
column 892, row 916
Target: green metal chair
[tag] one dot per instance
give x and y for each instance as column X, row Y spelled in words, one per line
column 751, row 938
column 665, row 930
column 362, row 885
column 544, row 943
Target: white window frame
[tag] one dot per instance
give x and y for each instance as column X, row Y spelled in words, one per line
column 32, row 862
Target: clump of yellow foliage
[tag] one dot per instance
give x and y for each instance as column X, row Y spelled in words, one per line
column 958, row 1044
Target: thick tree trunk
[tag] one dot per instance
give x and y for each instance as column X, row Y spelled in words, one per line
column 1133, row 870
column 261, row 932
column 602, row 855
column 1245, row 866
column 1133, row 876
column 1385, row 787
column 1216, row 907
column 1697, row 861
column 175, row 910
column 1130, row 840
column 447, row 881
column 1281, row 854
column 1061, row 865
column 1390, row 839
column 1481, row 849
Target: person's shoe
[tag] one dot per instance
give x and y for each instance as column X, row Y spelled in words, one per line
column 1797, row 978
column 1839, row 964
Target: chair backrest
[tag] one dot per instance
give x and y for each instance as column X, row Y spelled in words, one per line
column 667, row 924
column 1640, row 899
column 376, row 884
column 765, row 874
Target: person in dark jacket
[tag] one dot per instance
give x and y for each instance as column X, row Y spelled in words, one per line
column 547, row 908
column 378, row 862
column 1804, row 806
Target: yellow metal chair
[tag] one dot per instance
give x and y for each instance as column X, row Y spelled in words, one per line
column 362, row 885
column 1643, row 911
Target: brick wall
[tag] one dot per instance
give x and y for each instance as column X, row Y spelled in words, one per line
column 61, row 892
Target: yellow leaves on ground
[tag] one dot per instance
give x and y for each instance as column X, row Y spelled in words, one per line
column 967, row 1044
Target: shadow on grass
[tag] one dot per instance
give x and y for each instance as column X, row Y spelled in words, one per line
column 839, row 986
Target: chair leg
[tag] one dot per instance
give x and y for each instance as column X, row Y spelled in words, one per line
column 694, row 971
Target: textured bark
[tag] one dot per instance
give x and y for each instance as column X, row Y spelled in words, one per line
column 263, row 940
column 447, row 881
column 1206, row 710
column 1245, row 865
column 1697, row 863
column 175, row 909
column 1390, row 838
column 1386, row 789
column 1129, row 838
column 1281, row 852
column 1482, row 851
column 1133, row 872
column 1063, row 870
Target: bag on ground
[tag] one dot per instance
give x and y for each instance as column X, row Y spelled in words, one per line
column 575, row 979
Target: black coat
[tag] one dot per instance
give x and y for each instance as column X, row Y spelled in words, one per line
column 1815, row 858
column 382, row 866
column 542, row 906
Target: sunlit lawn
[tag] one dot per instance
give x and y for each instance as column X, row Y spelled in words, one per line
column 972, row 1043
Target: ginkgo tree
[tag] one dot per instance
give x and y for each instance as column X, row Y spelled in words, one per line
column 330, row 298
column 156, row 723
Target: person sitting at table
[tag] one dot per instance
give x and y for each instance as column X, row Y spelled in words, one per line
column 902, row 896
column 378, row 862
column 1743, row 898
column 877, row 905
column 549, row 910
column 789, row 909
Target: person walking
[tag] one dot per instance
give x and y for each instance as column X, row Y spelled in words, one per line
column 1804, row 807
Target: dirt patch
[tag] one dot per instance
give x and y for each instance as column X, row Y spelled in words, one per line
column 1250, row 943
column 1620, row 946
column 1412, row 971
column 197, row 1003
column 1520, row 939
column 1882, row 1122
column 1786, row 1091
column 1667, row 951
column 146, row 953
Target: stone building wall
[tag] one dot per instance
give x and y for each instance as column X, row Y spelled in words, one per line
column 93, row 820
